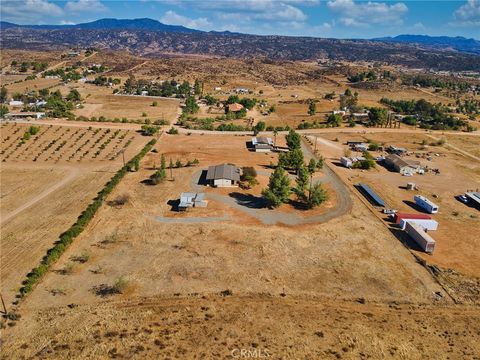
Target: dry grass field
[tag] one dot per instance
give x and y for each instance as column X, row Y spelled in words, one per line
column 46, row 182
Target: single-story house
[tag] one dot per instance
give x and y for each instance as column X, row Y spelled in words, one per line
column 235, row 107
column 262, row 144
column 26, row 115
column 402, row 165
column 188, row 200
column 224, row 175
column 347, row 162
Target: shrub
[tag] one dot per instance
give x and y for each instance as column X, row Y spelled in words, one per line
column 172, row 131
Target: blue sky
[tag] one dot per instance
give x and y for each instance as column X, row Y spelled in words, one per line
column 322, row 18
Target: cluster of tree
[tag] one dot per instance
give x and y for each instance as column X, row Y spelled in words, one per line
column 58, row 106
column 66, row 74
column 105, row 81
column 165, row 88
column 248, row 103
column 426, row 81
column 334, row 120
column 211, row 100
column 161, row 174
column 428, row 115
column 349, row 101
column 26, row 65
column 308, row 193
column 362, row 76
column 66, row 238
column 312, row 108
column 191, row 106
column 468, row 106
column 366, row 164
column 149, row 130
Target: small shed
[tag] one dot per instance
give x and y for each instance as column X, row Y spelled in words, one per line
column 188, row 200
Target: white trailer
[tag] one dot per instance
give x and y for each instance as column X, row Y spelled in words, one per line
column 347, row 162
column 426, row 204
column 425, row 224
column 424, row 240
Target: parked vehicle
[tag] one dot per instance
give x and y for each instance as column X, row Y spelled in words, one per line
column 389, row 211
column 462, row 198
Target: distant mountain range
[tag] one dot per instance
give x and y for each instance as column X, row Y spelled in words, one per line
column 149, row 37
column 458, row 43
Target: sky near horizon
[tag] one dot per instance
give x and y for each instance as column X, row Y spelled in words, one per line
column 320, row 18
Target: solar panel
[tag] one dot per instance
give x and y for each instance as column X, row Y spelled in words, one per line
column 366, row 190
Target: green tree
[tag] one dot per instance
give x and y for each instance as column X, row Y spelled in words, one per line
column 293, row 140
column 249, row 175
column 74, row 95
column 163, row 162
column 318, row 194
column 184, row 88
column 312, row 166
column 291, row 160
column 260, row 126
column 3, row 111
column 191, row 106
column 278, row 190
column 334, row 120
column 312, row 108
column 377, row 116
column 3, row 94
column 302, row 183
column 158, row 176
column 198, row 87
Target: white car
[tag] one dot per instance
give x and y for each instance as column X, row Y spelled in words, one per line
column 389, row 211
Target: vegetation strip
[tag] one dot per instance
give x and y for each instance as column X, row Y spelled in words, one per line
column 76, row 229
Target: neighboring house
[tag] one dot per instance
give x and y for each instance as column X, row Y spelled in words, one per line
column 217, row 88
column 401, row 165
column 188, row 200
column 26, row 115
column 224, row 175
column 235, row 107
column 262, row 144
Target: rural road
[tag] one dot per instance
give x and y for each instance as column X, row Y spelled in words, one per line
column 73, row 174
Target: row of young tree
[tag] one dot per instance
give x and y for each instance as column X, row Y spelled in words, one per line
column 279, row 189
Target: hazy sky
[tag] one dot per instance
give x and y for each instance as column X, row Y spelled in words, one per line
column 323, row 18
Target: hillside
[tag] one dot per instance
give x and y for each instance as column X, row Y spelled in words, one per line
column 458, row 43
column 157, row 43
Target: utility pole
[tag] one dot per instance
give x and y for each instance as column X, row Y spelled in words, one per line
column 3, row 304
column 123, row 157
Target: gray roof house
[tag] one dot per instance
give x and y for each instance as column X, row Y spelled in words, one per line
column 223, row 175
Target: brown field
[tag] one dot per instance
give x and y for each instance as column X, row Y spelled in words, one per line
column 46, row 183
column 99, row 101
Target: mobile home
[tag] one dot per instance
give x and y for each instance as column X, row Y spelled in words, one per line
column 424, row 240
column 426, row 204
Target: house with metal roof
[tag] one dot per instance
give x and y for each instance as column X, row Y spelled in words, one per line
column 224, row 175
column 262, row 144
column 401, row 165
column 188, row 200
column 474, row 197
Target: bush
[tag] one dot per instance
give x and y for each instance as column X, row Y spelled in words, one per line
column 172, row 131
